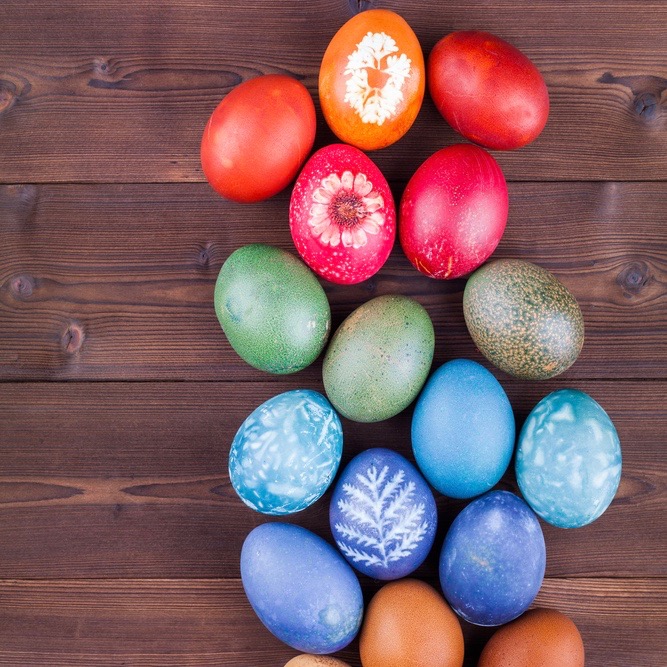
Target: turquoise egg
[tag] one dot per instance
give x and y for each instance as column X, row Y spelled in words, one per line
column 286, row 453
column 568, row 461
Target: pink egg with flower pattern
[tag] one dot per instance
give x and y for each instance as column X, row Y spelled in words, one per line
column 342, row 215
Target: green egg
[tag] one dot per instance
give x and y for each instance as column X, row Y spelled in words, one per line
column 523, row 319
column 379, row 358
column 272, row 309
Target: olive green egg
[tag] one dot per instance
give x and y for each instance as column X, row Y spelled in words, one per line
column 523, row 319
column 379, row 358
column 272, row 309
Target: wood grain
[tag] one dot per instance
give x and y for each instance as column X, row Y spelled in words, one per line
column 129, row 86
column 209, row 622
column 111, row 281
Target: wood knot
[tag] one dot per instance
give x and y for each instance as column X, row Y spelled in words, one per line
column 205, row 254
column 8, row 95
column 72, row 340
column 646, row 106
column 21, row 287
column 358, row 6
column 370, row 285
column 633, row 278
column 104, row 67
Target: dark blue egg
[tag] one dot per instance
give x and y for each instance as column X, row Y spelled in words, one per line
column 301, row 588
column 493, row 560
column 383, row 515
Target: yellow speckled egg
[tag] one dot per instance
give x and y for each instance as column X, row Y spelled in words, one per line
column 315, row 661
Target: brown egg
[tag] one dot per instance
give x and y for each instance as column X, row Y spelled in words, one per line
column 409, row 623
column 539, row 638
column 315, row 661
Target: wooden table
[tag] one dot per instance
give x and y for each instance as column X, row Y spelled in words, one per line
column 119, row 532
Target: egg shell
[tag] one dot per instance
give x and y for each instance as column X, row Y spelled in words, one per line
column 272, row 309
column 315, row 661
column 493, row 559
column 539, row 638
column 372, row 80
column 463, row 430
column 408, row 623
column 523, row 319
column 301, row 588
column 379, row 358
column 568, row 461
column 383, row 515
column 453, row 211
column 286, row 453
column 342, row 215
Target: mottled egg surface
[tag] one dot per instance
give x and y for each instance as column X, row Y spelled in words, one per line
column 383, row 515
column 315, row 661
column 568, row 461
column 286, row 452
column 301, row 588
column 493, row 560
column 463, row 429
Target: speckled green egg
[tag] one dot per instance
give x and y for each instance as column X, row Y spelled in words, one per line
column 379, row 358
column 272, row 309
column 523, row 319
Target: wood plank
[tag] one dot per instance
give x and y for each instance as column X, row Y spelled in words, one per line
column 129, row 480
column 209, row 622
column 129, row 87
column 116, row 281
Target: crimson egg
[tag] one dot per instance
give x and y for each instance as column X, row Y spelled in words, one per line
column 453, row 211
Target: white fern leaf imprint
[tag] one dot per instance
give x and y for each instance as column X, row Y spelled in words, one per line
column 383, row 524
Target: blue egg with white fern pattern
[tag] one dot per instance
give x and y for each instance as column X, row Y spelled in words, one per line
column 383, row 515
column 286, row 453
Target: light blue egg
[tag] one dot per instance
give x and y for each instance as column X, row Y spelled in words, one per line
column 463, row 429
column 301, row 588
column 568, row 461
column 286, row 453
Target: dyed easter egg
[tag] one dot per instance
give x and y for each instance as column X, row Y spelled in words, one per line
column 568, row 460
column 379, row 358
column 315, row 661
column 463, row 429
column 408, row 623
column 453, row 211
column 272, row 309
column 372, row 80
column 342, row 215
column 493, row 560
column 286, row 452
column 523, row 319
column 383, row 515
column 301, row 588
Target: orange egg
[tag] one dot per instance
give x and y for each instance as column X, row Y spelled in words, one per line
column 409, row 623
column 372, row 80
column 539, row 638
column 315, row 661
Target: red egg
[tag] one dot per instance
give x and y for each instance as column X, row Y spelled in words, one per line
column 342, row 215
column 453, row 211
column 487, row 90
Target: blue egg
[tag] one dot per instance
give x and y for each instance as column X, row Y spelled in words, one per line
column 463, row 430
column 383, row 515
column 493, row 560
column 568, row 461
column 301, row 588
column 286, row 453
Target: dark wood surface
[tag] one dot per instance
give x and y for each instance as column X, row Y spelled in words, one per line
column 119, row 394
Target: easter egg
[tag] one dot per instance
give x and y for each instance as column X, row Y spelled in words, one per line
column 315, row 661
column 541, row 637
column 568, row 460
column 488, row 90
column 272, row 309
column 493, row 560
column 408, row 623
column 372, row 80
column 383, row 515
column 463, row 429
column 286, row 453
column 258, row 137
column 453, row 211
column 342, row 215
column 379, row 358
column 301, row 588
column 523, row 319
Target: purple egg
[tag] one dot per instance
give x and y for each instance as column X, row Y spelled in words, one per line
column 383, row 515
column 493, row 560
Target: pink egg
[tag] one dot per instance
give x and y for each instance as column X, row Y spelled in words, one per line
column 342, row 215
